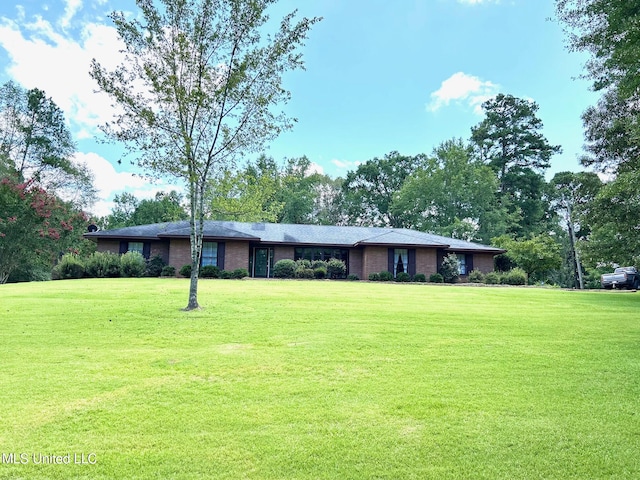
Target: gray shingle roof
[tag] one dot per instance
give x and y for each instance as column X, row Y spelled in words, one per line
column 274, row 233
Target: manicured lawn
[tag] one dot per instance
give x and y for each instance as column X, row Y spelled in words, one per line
column 307, row 380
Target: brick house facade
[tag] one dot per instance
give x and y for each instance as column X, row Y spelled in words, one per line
column 258, row 246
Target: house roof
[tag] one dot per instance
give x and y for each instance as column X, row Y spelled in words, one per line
column 290, row 234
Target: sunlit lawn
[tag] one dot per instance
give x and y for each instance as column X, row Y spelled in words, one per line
column 317, row 379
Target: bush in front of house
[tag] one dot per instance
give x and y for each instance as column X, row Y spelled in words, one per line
column 374, row 277
column 102, row 265
column 132, row 264
column 436, row 278
column 515, row 276
column 284, row 268
column 185, row 271
column 420, row 277
column 386, row 276
column 319, row 264
column 208, row 271
column 353, row 277
column 450, row 269
column 336, row 268
column 320, row 272
column 476, row 276
column 225, row 275
column 492, row 278
column 154, row 266
column 403, row 277
column 306, row 273
column 69, row 266
column 239, row 273
column 168, row 271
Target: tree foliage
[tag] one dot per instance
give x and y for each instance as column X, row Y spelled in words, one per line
column 36, row 146
column 198, row 90
column 35, row 226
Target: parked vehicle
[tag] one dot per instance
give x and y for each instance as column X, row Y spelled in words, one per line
column 622, row 277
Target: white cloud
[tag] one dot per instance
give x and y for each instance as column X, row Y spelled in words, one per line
column 345, row 164
column 463, row 89
column 109, row 182
column 71, row 8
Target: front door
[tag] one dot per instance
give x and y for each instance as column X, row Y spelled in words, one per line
column 261, row 262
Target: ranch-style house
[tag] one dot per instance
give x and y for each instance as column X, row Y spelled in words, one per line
column 258, row 246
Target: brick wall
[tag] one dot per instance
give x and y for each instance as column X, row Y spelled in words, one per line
column 355, row 263
column 483, row 262
column 179, row 253
column 236, row 255
column 374, row 260
column 112, row 246
column 426, row 261
column 281, row 253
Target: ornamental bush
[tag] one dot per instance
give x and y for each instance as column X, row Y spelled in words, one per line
column 450, row 269
column 209, row 271
column 102, row 265
column 386, row 276
column 516, row 276
column 155, row 266
column 319, row 264
column 374, row 277
column 239, row 273
column 476, row 276
column 168, row 271
column 284, row 269
column 492, row 278
column 307, row 273
column 436, row 278
column 69, row 266
column 225, row 274
column 320, row 272
column 185, row 270
column 336, row 268
column 403, row 277
column 132, row 264
column 420, row 277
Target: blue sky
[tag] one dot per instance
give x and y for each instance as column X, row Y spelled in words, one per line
column 381, row 75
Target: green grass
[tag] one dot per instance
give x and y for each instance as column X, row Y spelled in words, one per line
column 308, row 380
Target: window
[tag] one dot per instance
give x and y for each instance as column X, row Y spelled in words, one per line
column 135, row 247
column 462, row 262
column 312, row 253
column 400, row 261
column 209, row 254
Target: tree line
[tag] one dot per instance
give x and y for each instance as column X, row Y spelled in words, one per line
column 489, row 188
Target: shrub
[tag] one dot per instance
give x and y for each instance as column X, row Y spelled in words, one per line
column 492, row 278
column 154, row 266
column 336, row 268
column 225, row 274
column 403, row 277
column 307, row 273
column 132, row 264
column 476, row 276
column 209, row 271
column 450, row 269
column 69, row 266
column 239, row 273
column 319, row 264
column 168, row 271
column 386, row 276
column 516, row 276
column 185, row 270
column 374, row 277
column 320, row 272
column 102, row 264
column 303, row 263
column 284, row 269
column 420, row 277
column 436, row 278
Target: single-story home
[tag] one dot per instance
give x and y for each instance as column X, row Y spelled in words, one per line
column 258, row 246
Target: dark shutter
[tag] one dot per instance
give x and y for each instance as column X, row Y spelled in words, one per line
column 390, row 260
column 412, row 262
column 221, row 255
column 124, row 246
column 440, row 258
column 146, row 250
column 469, row 263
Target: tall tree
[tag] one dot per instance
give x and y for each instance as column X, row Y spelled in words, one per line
column 510, row 141
column 452, row 195
column 36, row 146
column 367, row 192
column 198, row 90
column 571, row 193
